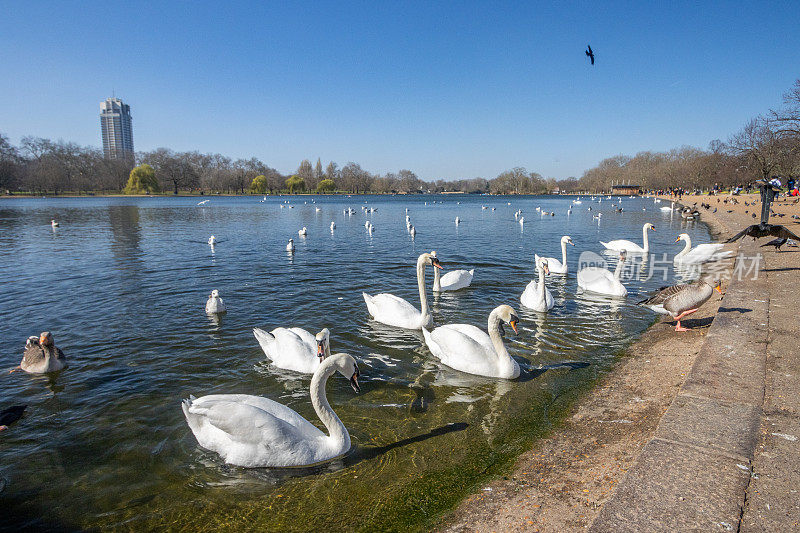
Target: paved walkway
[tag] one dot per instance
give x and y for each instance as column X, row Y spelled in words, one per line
column 726, row 454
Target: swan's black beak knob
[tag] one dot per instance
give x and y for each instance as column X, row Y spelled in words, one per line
column 354, row 381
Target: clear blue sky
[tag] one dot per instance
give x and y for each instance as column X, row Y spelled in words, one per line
column 446, row 89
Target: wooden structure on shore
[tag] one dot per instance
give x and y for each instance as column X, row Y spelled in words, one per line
column 626, row 190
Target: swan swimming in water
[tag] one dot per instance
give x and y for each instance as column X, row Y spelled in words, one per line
column 394, row 311
column 215, row 303
column 468, row 349
column 303, row 232
column 42, row 356
column 702, row 253
column 556, row 266
column 333, row 225
column 295, row 348
column 54, row 223
column 453, row 280
column 253, row 431
column 212, row 240
column 290, row 246
column 601, row 281
column 629, row 246
column 536, row 295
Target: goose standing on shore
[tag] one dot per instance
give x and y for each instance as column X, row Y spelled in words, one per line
column 42, row 356
column 394, row 311
column 294, row 348
column 678, row 301
column 453, row 280
column 630, row 246
column 468, row 349
column 253, row 431
column 536, row 295
column 556, row 266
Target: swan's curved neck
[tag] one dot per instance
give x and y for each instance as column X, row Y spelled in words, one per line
column 423, row 298
column 437, row 283
column 504, row 361
column 323, row 409
column 542, row 288
column 564, row 253
column 645, row 238
column 618, row 271
column 686, row 247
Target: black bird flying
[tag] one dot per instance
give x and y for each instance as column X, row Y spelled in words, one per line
column 756, row 231
column 590, row 54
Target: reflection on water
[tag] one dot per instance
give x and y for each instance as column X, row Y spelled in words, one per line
column 122, row 284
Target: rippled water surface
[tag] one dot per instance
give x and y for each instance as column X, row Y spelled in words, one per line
column 122, row 284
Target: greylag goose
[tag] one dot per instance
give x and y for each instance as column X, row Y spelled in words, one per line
column 678, row 301
column 42, row 356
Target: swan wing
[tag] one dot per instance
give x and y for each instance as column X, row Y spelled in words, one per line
column 601, row 281
column 293, row 349
column 393, row 310
column 455, row 345
column 622, row 244
column 252, row 431
column 456, row 279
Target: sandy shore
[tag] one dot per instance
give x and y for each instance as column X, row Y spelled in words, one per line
column 562, row 483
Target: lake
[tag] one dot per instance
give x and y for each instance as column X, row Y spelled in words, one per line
column 122, row 285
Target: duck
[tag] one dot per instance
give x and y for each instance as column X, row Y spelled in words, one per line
column 453, row 280
column 215, row 303
column 556, row 266
column 394, row 311
column 290, row 246
column 629, row 246
column 536, row 295
column 466, row 348
column 600, row 281
column 294, row 348
column 254, row 431
column 41, row 355
column 702, row 253
column 303, row 232
column 681, row 300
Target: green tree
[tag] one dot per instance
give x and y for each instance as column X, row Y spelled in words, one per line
column 142, row 180
column 259, row 185
column 326, row 186
column 295, row 183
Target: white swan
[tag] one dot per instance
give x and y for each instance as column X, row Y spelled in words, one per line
column 468, row 349
column 393, row 311
column 333, row 225
column 54, row 223
column 253, row 431
column 537, row 296
column 212, row 240
column 702, row 253
column 453, row 280
column 413, row 232
column 458, row 221
column 601, row 281
column 303, row 232
column 629, row 246
column 215, row 303
column 556, row 266
column 294, row 348
column 290, row 246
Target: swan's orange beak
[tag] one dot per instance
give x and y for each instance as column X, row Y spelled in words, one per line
column 653, row 228
column 437, row 264
column 718, row 288
column 513, row 325
column 320, row 349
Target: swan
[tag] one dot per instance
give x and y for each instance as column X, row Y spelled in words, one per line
column 42, row 356
column 294, row 348
column 393, row 311
column 556, row 266
column 212, row 240
column 681, row 300
column 537, row 296
column 453, row 280
column 522, row 221
column 333, row 225
column 303, row 232
column 215, row 303
column 204, row 202
column 601, row 281
column 253, row 431
column 290, row 246
column 458, row 221
column 54, row 223
column 413, row 232
column 702, row 253
column 468, row 349
column 628, row 246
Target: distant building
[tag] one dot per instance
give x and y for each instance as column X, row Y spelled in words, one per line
column 626, row 190
column 115, row 126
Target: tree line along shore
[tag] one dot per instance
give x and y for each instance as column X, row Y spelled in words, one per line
column 766, row 145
